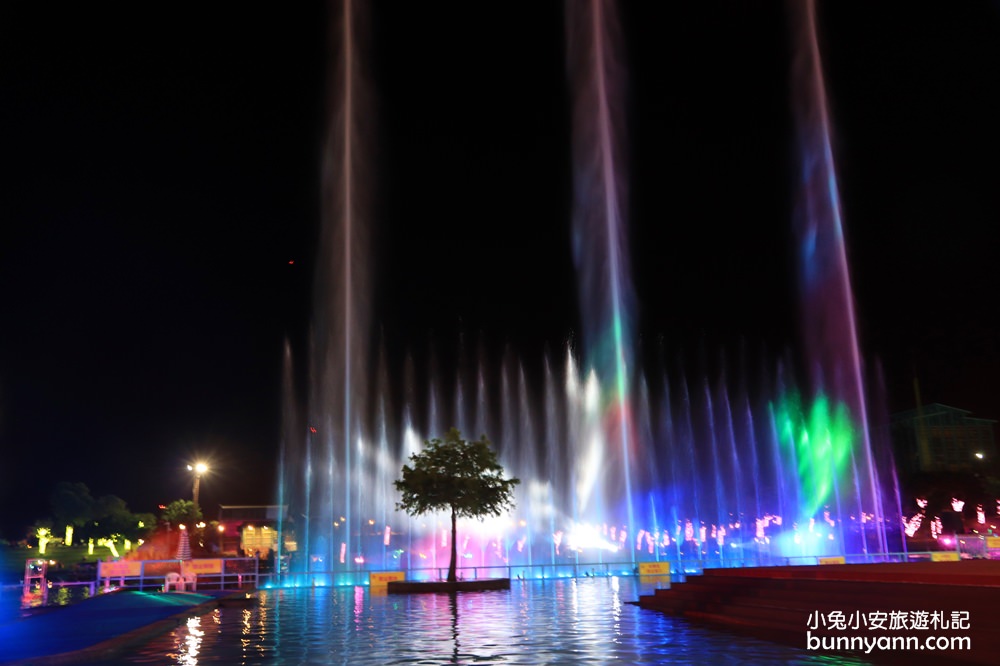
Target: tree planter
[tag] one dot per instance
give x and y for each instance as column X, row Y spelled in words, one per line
column 463, row 478
column 437, row 587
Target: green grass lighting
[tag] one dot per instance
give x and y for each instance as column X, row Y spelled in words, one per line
column 44, row 536
column 110, row 544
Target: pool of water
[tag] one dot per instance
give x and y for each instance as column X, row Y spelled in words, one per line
column 12, row 605
column 567, row 621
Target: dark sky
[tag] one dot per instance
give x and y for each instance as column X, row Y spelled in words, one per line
column 160, row 168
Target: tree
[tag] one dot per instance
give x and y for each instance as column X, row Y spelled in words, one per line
column 72, row 504
column 118, row 522
column 110, row 521
column 456, row 475
column 106, row 518
column 181, row 512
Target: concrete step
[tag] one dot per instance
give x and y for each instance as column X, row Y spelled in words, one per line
column 778, row 607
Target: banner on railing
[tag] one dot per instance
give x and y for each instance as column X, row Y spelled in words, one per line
column 383, row 578
column 201, row 567
column 119, row 569
column 654, row 568
column 945, row 556
column 836, row 559
column 993, row 542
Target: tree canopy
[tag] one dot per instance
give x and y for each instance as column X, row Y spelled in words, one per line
column 181, row 512
column 107, row 517
column 455, row 475
column 72, row 504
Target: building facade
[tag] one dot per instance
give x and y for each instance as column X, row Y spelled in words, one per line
column 939, row 438
column 251, row 530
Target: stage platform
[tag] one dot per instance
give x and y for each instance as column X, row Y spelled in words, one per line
column 784, row 603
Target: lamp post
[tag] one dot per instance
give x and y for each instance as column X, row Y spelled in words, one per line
column 198, row 469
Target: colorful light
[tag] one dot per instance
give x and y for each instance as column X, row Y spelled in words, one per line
column 820, row 438
column 44, row 535
column 913, row 524
column 110, row 545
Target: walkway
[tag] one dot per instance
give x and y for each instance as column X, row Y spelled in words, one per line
column 790, row 604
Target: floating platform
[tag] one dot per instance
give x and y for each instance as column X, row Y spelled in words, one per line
column 438, row 587
column 782, row 603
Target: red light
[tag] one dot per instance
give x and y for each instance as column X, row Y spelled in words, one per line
column 291, row 262
column 163, row 506
column 312, row 430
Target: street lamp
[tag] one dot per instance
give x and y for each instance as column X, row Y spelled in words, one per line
column 198, row 469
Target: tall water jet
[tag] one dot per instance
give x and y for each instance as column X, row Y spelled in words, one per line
column 290, row 434
column 616, row 469
column 832, row 437
column 325, row 496
column 600, row 242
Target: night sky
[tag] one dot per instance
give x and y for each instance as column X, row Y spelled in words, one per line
column 160, row 171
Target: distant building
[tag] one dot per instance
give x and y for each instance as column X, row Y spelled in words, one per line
column 939, row 438
column 251, row 529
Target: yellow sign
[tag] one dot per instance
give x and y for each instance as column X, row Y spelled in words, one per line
column 201, row 567
column 383, row 578
column 839, row 559
column 654, row 568
column 993, row 542
column 119, row 569
column 945, row 556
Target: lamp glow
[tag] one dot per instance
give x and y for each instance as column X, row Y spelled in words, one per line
column 199, row 469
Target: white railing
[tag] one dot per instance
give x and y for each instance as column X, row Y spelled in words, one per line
column 229, row 573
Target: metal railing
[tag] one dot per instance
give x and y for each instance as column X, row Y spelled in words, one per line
column 253, row 573
column 232, row 574
column 679, row 569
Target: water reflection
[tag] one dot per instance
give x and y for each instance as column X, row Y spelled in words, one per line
column 189, row 646
column 13, row 601
column 453, row 605
column 585, row 621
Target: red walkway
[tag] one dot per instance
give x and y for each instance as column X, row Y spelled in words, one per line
column 784, row 603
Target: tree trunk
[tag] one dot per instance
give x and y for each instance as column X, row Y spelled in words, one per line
column 454, row 549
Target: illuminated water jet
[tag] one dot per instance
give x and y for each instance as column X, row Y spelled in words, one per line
column 829, row 323
column 599, row 218
column 619, row 465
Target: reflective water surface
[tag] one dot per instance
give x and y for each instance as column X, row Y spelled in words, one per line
column 13, row 604
column 567, row 621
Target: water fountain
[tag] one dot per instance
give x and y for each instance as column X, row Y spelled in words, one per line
column 619, row 464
